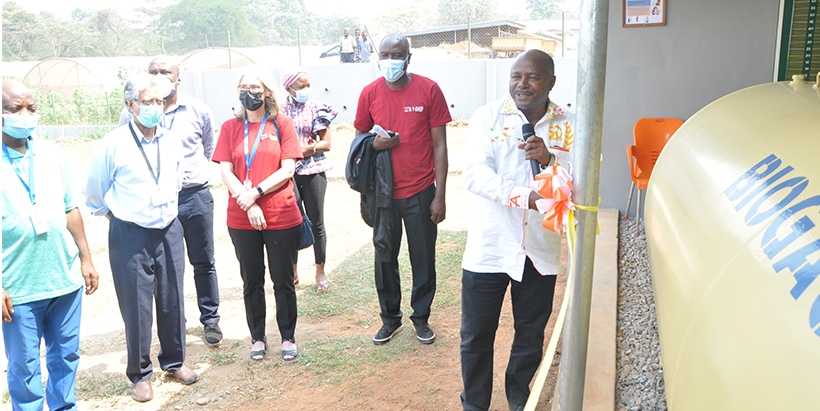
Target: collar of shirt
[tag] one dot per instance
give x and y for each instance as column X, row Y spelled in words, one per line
column 553, row 110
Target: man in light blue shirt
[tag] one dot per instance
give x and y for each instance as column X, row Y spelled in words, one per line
column 46, row 260
column 191, row 119
column 134, row 179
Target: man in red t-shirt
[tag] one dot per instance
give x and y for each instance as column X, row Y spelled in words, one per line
column 414, row 108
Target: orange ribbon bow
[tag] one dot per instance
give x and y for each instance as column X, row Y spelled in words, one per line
column 555, row 185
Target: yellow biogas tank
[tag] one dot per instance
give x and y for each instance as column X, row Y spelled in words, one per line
column 733, row 230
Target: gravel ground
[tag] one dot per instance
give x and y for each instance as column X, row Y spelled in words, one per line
column 640, row 376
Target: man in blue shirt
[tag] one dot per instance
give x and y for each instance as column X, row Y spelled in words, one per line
column 191, row 119
column 134, row 179
column 46, row 260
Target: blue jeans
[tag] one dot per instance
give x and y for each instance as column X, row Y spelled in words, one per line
column 482, row 295
column 57, row 321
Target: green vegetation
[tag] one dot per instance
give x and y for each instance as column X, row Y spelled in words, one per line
column 102, row 385
column 81, row 108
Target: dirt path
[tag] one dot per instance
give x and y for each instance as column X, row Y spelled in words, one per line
column 412, row 377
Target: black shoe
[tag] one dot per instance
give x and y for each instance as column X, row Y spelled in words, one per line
column 213, row 335
column 425, row 334
column 386, row 334
column 516, row 407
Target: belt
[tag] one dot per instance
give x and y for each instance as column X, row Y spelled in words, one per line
column 190, row 190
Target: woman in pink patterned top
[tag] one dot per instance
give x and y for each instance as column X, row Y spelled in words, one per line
column 312, row 121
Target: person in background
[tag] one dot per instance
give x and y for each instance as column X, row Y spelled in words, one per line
column 257, row 153
column 347, row 47
column 312, row 121
column 191, row 119
column 46, row 261
column 414, row 108
column 358, row 38
column 506, row 243
column 365, row 49
column 134, row 180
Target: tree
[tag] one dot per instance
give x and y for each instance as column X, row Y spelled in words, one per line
column 548, row 9
column 452, row 12
column 403, row 19
column 113, row 35
column 282, row 22
column 195, row 24
column 333, row 28
column 21, row 32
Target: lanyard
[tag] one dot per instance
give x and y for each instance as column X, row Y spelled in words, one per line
column 249, row 160
column 30, row 185
column 148, row 163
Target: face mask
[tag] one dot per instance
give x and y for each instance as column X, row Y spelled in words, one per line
column 150, row 116
column 251, row 101
column 302, row 95
column 19, row 126
column 392, row 70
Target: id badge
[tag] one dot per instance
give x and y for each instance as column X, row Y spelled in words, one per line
column 39, row 223
column 248, row 185
column 162, row 197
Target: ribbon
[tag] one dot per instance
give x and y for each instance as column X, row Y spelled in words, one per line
column 555, row 185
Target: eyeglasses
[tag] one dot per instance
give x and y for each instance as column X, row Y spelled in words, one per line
column 253, row 89
column 152, row 102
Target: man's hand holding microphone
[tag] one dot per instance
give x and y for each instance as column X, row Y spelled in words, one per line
column 535, row 150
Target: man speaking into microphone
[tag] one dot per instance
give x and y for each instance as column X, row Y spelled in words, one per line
column 508, row 141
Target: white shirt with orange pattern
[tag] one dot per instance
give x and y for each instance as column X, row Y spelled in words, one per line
column 502, row 231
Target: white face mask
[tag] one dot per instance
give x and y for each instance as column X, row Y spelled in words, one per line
column 392, row 70
column 301, row 95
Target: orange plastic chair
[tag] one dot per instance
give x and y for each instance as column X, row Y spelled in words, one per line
column 651, row 135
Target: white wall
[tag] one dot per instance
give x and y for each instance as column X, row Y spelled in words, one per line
column 466, row 85
column 706, row 50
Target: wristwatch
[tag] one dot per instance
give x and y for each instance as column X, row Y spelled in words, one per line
column 261, row 192
column 550, row 163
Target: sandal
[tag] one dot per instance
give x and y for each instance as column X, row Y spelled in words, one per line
column 290, row 355
column 258, row 355
column 322, row 285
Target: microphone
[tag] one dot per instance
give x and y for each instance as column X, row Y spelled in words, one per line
column 527, row 131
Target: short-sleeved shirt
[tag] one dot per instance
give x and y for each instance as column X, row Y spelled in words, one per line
column 310, row 118
column 279, row 207
column 412, row 112
column 38, row 267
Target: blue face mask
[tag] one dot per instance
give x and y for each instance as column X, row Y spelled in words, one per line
column 301, row 95
column 150, row 116
column 392, row 70
column 19, row 126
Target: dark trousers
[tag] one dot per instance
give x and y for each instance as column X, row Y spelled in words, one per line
column 311, row 189
column 147, row 267
column 482, row 295
column 421, row 243
column 196, row 213
column 279, row 245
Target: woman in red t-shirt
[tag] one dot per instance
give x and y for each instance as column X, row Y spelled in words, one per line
column 257, row 153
